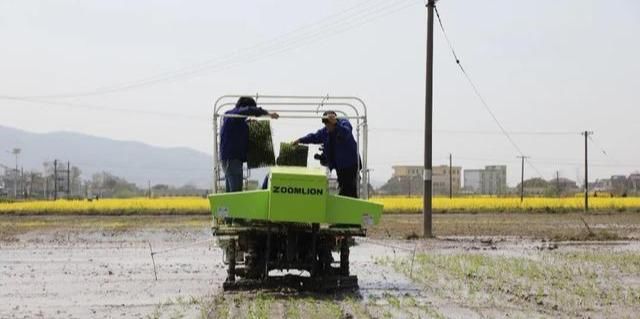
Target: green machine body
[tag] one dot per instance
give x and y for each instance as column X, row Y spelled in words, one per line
column 298, row 195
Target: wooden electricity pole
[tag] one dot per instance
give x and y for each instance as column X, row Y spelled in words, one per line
column 55, row 179
column 586, row 170
column 22, row 183
column 450, row 177
column 558, row 183
column 16, row 151
column 428, row 136
column 68, row 179
column 522, row 177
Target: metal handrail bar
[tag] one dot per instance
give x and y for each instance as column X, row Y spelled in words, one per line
column 323, row 101
column 303, row 97
column 217, row 108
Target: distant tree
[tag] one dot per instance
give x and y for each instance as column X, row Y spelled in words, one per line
column 160, row 188
column 534, row 183
column 403, row 185
column 108, row 185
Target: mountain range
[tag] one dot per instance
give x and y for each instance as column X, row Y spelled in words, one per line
column 136, row 162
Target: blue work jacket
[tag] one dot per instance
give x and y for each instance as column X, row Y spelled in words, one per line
column 345, row 148
column 234, row 134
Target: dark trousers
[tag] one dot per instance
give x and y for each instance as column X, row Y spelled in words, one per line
column 233, row 175
column 348, row 181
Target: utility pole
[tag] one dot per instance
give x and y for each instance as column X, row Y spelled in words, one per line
column 68, row 179
column 149, row 184
column 586, row 170
column 428, row 136
column 16, row 152
column 31, row 185
column 558, row 182
column 450, row 177
column 522, row 157
column 22, row 186
column 55, row 179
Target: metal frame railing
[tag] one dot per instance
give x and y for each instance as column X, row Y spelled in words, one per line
column 298, row 107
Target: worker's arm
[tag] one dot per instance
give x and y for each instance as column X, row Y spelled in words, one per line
column 256, row 111
column 343, row 126
column 311, row 138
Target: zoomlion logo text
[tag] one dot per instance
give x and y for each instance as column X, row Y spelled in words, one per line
column 297, row 190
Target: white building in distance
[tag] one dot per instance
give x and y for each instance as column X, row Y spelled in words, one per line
column 491, row 180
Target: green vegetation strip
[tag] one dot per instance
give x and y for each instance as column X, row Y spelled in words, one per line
column 549, row 282
column 291, row 305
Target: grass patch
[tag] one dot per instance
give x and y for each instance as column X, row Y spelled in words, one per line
column 548, row 283
column 282, row 305
column 599, row 235
column 259, row 306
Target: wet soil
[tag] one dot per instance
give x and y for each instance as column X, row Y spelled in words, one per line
column 93, row 267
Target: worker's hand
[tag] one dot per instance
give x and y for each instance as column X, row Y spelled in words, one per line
column 274, row 115
column 332, row 118
column 296, row 142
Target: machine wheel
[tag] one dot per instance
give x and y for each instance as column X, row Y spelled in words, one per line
column 344, row 256
column 231, row 256
column 315, row 263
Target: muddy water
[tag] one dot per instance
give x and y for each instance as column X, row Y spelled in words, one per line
column 91, row 274
column 102, row 275
column 96, row 274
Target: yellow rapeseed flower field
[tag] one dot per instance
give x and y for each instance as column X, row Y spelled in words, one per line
column 166, row 205
column 399, row 204
column 392, row 204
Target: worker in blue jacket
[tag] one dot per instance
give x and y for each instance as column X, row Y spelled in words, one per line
column 340, row 149
column 234, row 140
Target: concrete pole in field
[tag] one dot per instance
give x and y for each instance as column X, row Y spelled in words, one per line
column 586, row 170
column 55, row 179
column 558, row 183
column 450, row 176
column 68, row 179
column 522, row 157
column 428, row 136
column 16, row 152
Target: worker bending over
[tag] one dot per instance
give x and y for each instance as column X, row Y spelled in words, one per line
column 234, row 140
column 341, row 151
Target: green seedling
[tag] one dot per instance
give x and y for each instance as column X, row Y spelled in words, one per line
column 260, row 148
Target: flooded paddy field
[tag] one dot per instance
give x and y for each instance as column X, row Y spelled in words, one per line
column 479, row 266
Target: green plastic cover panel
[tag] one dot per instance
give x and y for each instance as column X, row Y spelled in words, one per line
column 246, row 205
column 296, row 194
column 352, row 211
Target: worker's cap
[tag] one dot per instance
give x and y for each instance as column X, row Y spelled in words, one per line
column 324, row 115
column 246, row 101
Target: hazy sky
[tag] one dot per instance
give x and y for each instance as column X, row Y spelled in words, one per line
column 542, row 66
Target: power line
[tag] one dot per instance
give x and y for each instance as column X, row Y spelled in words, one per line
column 598, row 145
column 471, row 132
column 102, row 108
column 335, row 24
column 477, row 92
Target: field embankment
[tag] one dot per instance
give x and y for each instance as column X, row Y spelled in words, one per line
column 552, row 227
